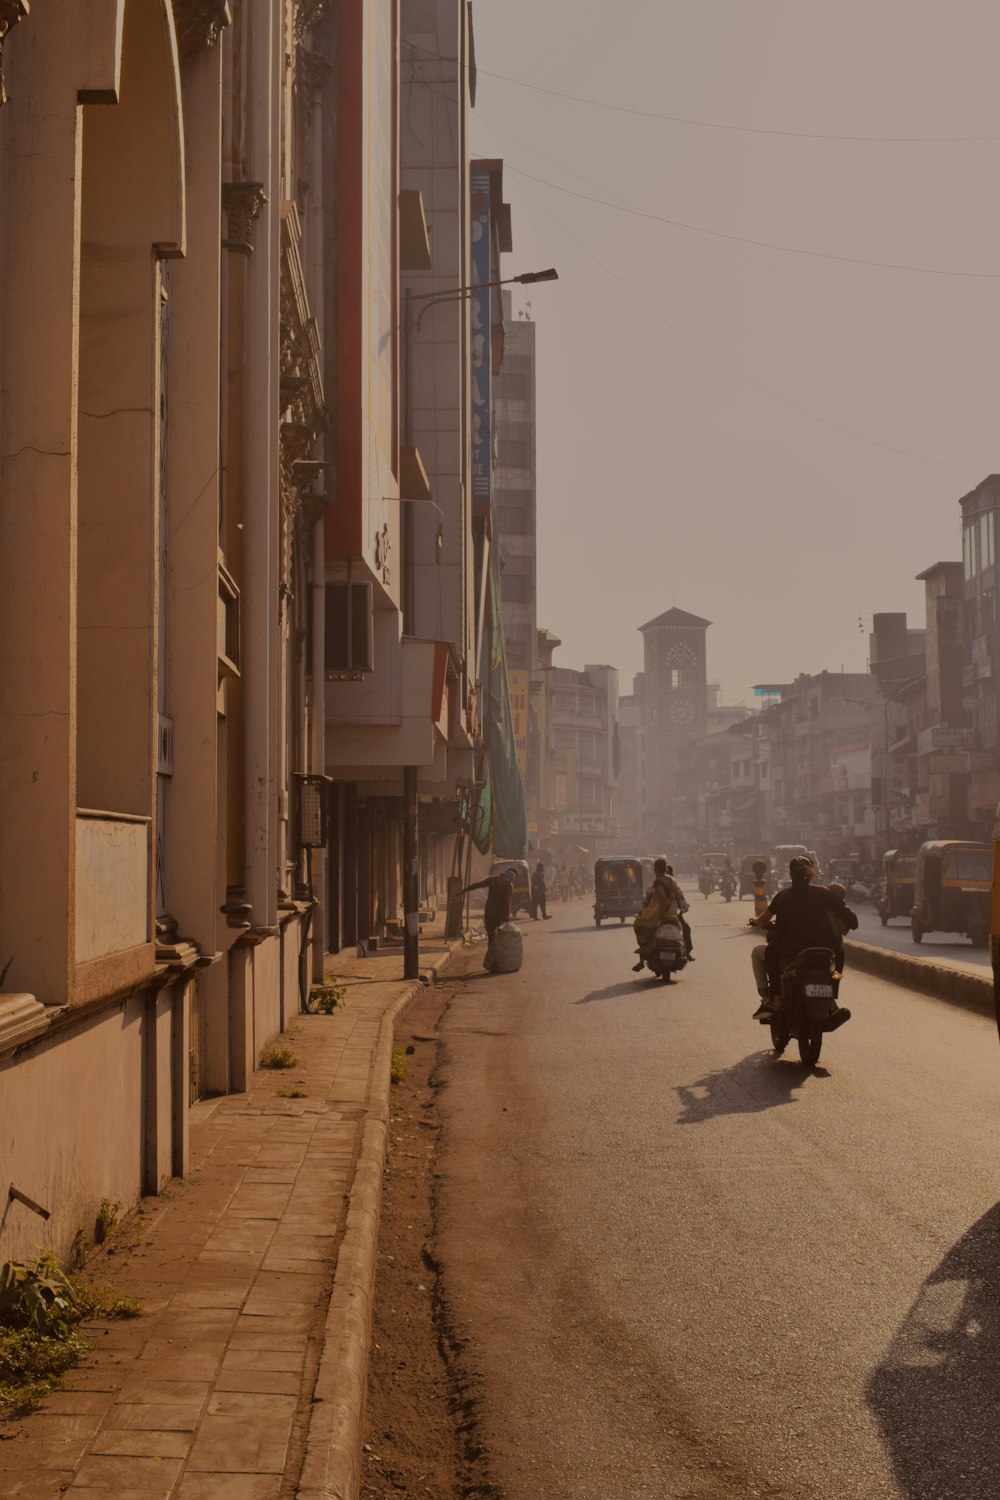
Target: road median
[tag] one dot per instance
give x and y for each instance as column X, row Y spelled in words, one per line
column 943, row 981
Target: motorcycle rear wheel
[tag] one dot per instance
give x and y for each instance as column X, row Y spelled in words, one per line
column 810, row 1046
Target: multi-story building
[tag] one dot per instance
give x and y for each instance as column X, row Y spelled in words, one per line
column 675, row 711
column 981, row 669
column 514, row 490
column 580, row 755
column 813, row 764
column 244, row 557
column 163, row 422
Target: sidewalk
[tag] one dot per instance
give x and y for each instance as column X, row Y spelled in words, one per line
column 244, row 1378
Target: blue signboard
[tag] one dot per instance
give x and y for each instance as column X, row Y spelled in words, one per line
column 481, row 314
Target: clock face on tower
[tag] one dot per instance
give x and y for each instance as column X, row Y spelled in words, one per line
column 682, row 712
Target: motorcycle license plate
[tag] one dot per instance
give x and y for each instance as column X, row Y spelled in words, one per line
column 819, row 991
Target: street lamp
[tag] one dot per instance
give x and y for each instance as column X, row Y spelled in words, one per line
column 411, row 829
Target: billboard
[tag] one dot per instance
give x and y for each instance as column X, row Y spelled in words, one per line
column 481, row 310
column 517, row 678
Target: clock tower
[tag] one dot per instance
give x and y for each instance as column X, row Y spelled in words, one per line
column 674, row 712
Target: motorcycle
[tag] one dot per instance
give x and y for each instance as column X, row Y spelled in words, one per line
column 809, row 1008
column 666, row 954
column 706, row 882
column 727, row 884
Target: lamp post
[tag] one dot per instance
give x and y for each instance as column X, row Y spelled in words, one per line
column 411, row 815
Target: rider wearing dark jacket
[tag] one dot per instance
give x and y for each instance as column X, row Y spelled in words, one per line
column 797, row 918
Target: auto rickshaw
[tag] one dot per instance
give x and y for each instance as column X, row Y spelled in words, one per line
column 896, row 899
column 747, row 877
column 521, row 899
column 952, row 890
column 618, row 890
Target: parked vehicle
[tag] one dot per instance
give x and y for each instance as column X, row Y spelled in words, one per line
column 809, row 1006
column 618, row 888
column 727, row 884
column 952, row 890
column 521, row 900
column 747, row 877
column 896, row 890
column 666, row 954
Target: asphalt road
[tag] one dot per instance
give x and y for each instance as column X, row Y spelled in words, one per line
column 945, row 947
column 684, row 1269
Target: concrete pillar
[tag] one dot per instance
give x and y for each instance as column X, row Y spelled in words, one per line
column 57, row 55
column 192, row 888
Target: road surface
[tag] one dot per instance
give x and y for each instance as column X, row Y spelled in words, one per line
column 945, row 947
column 683, row 1269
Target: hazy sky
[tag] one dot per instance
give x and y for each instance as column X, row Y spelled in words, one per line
column 665, row 477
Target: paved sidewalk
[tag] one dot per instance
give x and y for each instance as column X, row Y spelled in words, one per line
column 244, row 1377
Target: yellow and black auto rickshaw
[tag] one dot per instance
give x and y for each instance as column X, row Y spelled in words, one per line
column 521, row 899
column 618, row 890
column 896, row 899
column 952, row 890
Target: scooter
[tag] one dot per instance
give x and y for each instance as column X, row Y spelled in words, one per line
column 727, row 885
column 666, row 954
column 809, row 1008
column 706, row 882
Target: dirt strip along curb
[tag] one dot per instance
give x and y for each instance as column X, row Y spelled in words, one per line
column 331, row 1468
column 971, row 991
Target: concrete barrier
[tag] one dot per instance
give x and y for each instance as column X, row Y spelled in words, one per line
column 971, row 991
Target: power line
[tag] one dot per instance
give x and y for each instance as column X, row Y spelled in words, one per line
column 649, row 114
column 707, row 238
column 743, row 239
column 734, row 369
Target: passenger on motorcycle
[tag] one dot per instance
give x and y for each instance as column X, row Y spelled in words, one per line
column 664, row 903
column 797, row 918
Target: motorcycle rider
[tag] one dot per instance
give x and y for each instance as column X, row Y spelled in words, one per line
column 664, row 903
column 797, row 918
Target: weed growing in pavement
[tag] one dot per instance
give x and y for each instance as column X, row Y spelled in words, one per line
column 400, row 1067
column 278, row 1057
column 327, row 997
column 80, row 1249
column 40, row 1307
column 107, row 1220
column 32, row 1364
column 291, row 1093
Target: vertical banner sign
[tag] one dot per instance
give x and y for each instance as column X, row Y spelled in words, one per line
column 518, row 680
column 482, row 445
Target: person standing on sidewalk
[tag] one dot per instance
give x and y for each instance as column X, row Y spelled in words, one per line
column 499, row 894
column 539, row 891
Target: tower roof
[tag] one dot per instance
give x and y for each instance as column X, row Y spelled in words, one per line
column 675, row 617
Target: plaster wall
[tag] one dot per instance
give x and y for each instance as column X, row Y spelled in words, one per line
column 88, row 1114
column 112, row 882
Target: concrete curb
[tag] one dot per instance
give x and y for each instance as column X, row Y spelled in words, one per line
column 970, row 991
column 331, row 1469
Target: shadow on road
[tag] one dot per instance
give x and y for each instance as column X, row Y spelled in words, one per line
column 756, row 1083
column 617, row 991
column 934, row 1396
